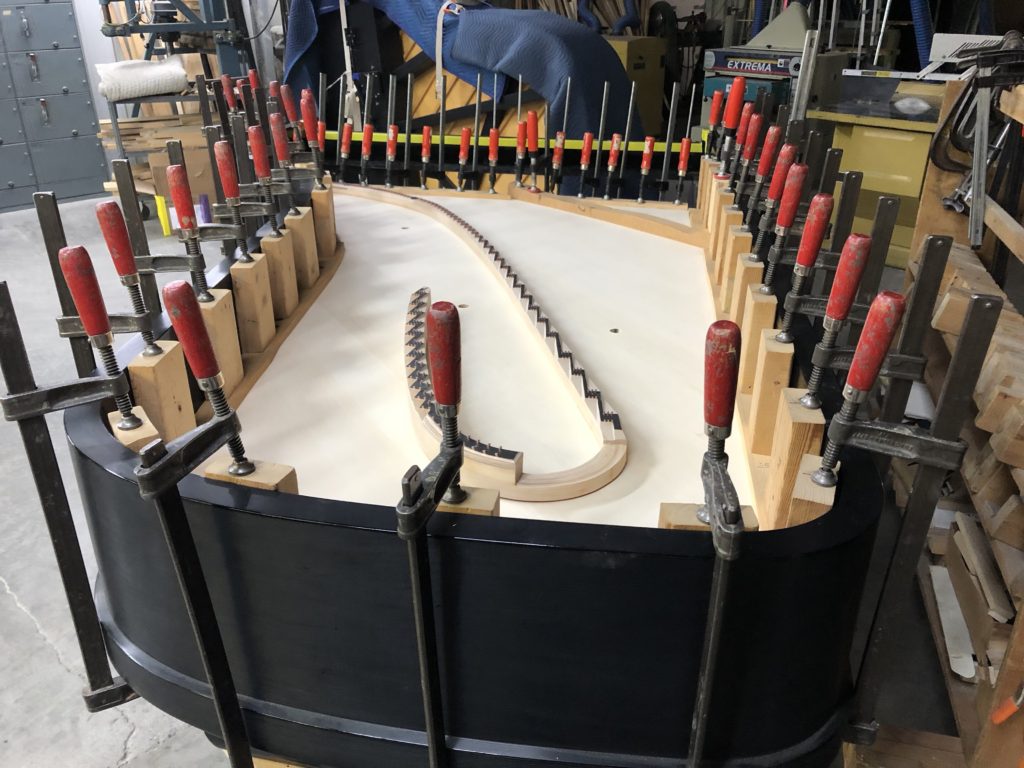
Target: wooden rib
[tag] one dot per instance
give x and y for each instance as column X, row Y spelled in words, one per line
column 499, row 466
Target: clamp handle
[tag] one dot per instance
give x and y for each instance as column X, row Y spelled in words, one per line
column 321, row 135
column 875, row 339
column 260, row 159
column 279, row 133
column 558, row 151
column 228, row 86
column 85, row 289
column 753, row 135
column 274, row 89
column 721, row 371
column 684, row 155
column 614, row 150
column 742, row 129
column 254, row 79
column 187, row 321
column 288, row 103
column 464, row 136
column 787, row 156
column 227, row 169
column 588, row 148
column 521, row 139
column 734, row 103
column 716, row 108
column 532, row 131
column 791, row 194
column 392, row 143
column 847, row 278
column 115, row 233
column 444, row 352
column 493, row 138
column 181, row 196
column 309, row 119
column 425, row 144
column 771, row 146
column 818, row 215
column 346, row 139
column 367, row 147
column 647, row 157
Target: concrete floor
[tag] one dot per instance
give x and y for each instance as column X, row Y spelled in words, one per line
column 43, row 722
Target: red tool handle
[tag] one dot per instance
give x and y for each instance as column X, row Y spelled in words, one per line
column 321, row 135
column 753, row 136
column 346, row 138
column 181, row 196
column 465, row 135
column 532, row 131
column 745, row 115
column 241, row 93
column 85, row 289
column 227, row 169
column 309, row 119
column 875, row 339
column 721, row 370
column 771, row 146
column 288, row 103
column 819, row 212
column 187, row 321
column 392, row 147
column 716, row 108
column 367, row 140
column 558, row 152
column 425, row 146
column 848, row 273
column 521, row 139
column 684, row 156
column 648, row 154
column 260, row 158
column 492, row 145
column 1004, row 711
column 115, row 233
column 734, row 104
column 588, row 148
column 279, row 133
column 254, row 79
column 614, row 150
column 307, row 93
column 228, row 86
column 444, row 352
column 791, row 194
column 275, row 89
column 787, row 156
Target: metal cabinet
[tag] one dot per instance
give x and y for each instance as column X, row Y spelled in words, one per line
column 48, row 122
column 38, row 73
column 39, row 26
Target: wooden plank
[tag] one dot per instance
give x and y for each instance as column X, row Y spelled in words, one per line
column 1000, row 746
column 798, row 431
column 1005, row 227
column 219, row 317
column 1011, row 103
column 253, row 305
column 771, row 375
column 758, row 315
column 955, row 634
column 895, row 748
column 974, row 547
column 160, row 386
column 738, row 241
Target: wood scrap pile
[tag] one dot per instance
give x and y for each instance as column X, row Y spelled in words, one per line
column 151, row 134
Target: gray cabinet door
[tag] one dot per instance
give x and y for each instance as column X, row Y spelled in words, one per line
column 56, row 117
column 67, row 159
column 37, row 27
column 9, row 198
column 41, row 73
column 15, row 166
column 10, row 123
column 6, row 84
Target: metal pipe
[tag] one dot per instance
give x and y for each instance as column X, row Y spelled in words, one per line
column 625, row 134
column 881, row 32
column 476, row 123
column 600, row 130
column 672, row 105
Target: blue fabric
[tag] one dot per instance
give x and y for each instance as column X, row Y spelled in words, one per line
column 301, row 70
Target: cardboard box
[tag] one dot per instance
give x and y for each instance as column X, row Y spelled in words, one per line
column 200, row 175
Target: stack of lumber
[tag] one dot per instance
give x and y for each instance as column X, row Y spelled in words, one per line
column 151, row 134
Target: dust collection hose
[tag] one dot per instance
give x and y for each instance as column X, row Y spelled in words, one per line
column 760, row 16
column 923, row 30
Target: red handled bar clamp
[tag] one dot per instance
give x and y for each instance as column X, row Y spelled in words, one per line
column 818, row 215
column 444, row 353
column 788, row 207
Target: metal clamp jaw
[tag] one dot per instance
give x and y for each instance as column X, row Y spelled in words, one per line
column 246, row 209
column 164, row 465
column 809, row 305
column 422, row 490
column 211, row 233
column 901, row 441
column 895, row 366
column 722, row 505
column 59, row 397
column 293, row 174
column 70, row 326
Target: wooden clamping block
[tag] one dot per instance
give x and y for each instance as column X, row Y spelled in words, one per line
column 160, row 387
column 480, row 501
column 738, row 239
column 254, row 306
column 809, row 501
column 267, row 477
column 219, row 317
column 323, row 220
column 284, row 290
column 307, row 260
column 715, row 187
column 749, row 271
column 133, row 439
column 771, row 376
column 758, row 314
column 704, row 175
column 798, row 432
column 683, row 517
column 729, row 217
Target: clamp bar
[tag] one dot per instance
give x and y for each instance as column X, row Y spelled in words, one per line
column 149, row 265
column 895, row 366
column 182, row 455
column 59, row 397
column 70, row 326
column 901, row 441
